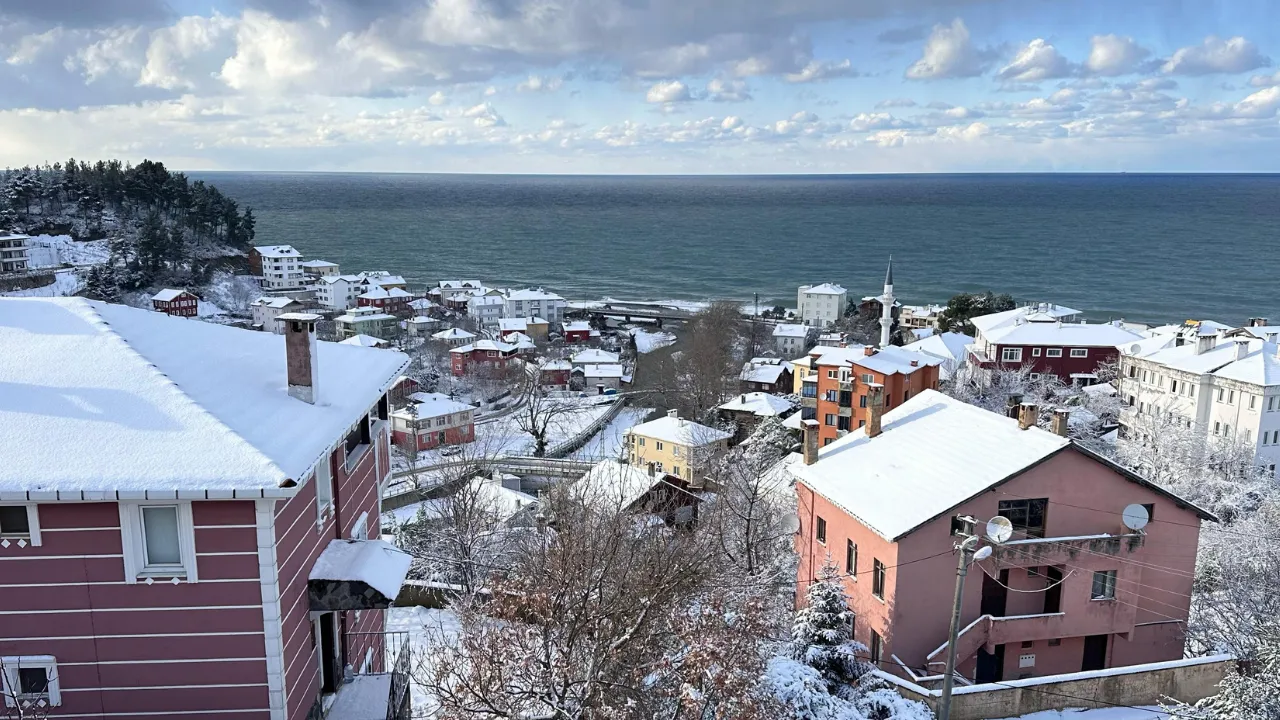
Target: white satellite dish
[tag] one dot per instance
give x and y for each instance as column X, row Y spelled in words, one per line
column 983, row 553
column 791, row 523
column 999, row 529
column 1135, row 517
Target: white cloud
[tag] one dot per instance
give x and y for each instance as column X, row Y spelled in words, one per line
column 490, row 91
column 868, row 122
column 1215, row 55
column 720, row 90
column 822, row 70
column 29, row 47
column 438, row 98
column 1036, row 61
column 895, row 102
column 271, row 54
column 1271, row 80
column 673, row 91
column 948, row 53
column 1112, row 55
column 116, row 50
column 538, row 83
column 172, row 48
column 1261, row 104
column 731, row 122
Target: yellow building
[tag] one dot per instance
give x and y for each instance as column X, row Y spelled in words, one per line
column 674, row 445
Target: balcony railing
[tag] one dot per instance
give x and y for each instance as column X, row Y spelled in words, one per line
column 387, row 676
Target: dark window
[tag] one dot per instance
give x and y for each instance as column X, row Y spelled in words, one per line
column 846, row 398
column 13, row 520
column 1151, row 511
column 808, row 414
column 853, row 624
column 33, row 680
column 1028, row 643
column 842, row 423
column 862, row 401
column 822, row 531
column 877, row 579
column 1104, row 585
column 383, row 404
column 851, row 559
column 1027, row 516
column 1055, row 642
column 877, row 647
column 906, row 395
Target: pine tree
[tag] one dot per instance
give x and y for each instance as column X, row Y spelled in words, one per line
column 820, row 634
column 1252, row 693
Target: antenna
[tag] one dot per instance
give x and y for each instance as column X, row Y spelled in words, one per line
column 1135, row 516
column 791, row 523
column 999, row 529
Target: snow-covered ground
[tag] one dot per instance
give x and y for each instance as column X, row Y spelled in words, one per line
column 65, row 283
column 1110, row 713
column 231, row 293
column 428, row 631
column 647, row 342
column 73, row 252
column 608, row 443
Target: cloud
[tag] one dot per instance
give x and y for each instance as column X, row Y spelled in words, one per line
column 1261, row 104
column 115, row 50
column 29, row 47
column 666, row 93
column 869, row 122
column 1111, row 55
column 721, row 90
column 438, row 98
column 538, row 83
column 895, row 102
column 172, row 51
column 1265, row 80
column 822, row 70
column 1034, row 62
column 1215, row 55
column 948, row 53
column 903, row 35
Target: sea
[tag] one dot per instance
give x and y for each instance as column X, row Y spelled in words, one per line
column 1144, row 248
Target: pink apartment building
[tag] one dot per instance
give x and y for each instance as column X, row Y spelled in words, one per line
column 1074, row 589
column 185, row 517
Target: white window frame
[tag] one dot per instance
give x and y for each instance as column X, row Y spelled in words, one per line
column 1035, row 352
column 1057, row 352
column 9, row 685
column 1079, row 352
column 657, row 445
column 360, row 530
column 131, row 536
column 33, row 525
column 323, row 478
column 1011, row 354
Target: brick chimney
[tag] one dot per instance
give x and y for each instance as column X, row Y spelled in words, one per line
column 809, row 428
column 1257, row 322
column 1028, row 415
column 302, row 359
column 1059, row 423
column 868, row 351
column 1012, row 403
column 875, row 408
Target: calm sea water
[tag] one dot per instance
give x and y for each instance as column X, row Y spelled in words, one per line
column 1142, row 247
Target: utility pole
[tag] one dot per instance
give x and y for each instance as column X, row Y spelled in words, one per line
column 961, row 526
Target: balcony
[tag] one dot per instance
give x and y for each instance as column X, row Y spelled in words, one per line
column 1032, row 552
column 381, row 690
column 845, row 411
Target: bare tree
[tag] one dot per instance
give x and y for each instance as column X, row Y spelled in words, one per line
column 25, row 691
column 753, row 494
column 705, row 372
column 539, row 410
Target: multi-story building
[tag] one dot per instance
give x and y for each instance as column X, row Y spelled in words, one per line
column 217, row 552
column 539, row 302
column 949, row 347
column 319, row 268
column 431, row 420
column 791, row 339
column 920, row 316
column 391, row 300
column 481, row 355
column 278, row 268
column 747, row 410
column 675, row 446
column 487, row 307
column 762, row 374
column 454, row 293
column 366, row 321
column 1043, row 338
column 1074, row 589
column 820, row 305
column 1224, row 383
column 13, row 252
column 836, row 391
column 266, row 310
column 576, row 332
column 178, row 303
column 455, row 337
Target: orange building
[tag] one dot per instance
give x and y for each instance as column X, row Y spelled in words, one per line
column 835, row 391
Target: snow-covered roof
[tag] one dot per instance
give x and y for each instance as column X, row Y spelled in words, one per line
column 763, row 373
column 318, row 264
column 613, row 483
column 1260, row 367
column 485, row 300
column 922, row 333
column 680, row 431
column 577, row 326
column 837, row 356
column 895, row 360
column 602, row 371
column 460, row 284
column 14, row 236
column 758, row 403
column 168, row 295
column 422, row 320
column 431, row 404
column 376, row 563
column 790, row 330
column 986, row 323
column 484, row 345
column 382, row 278
column 519, row 324
column 1226, row 359
column 593, row 356
column 453, row 334
column 944, row 346
column 825, row 289
column 377, row 292
column 277, row 251
column 532, row 294
column 421, row 304
column 275, row 302
column 551, row 365
column 519, row 340
column 793, row 421
column 364, row 341
column 1052, row 332
column 161, row 404
column 1148, row 345
column 934, row 453
column 363, row 313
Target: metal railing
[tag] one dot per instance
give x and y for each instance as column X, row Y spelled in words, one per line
column 394, row 659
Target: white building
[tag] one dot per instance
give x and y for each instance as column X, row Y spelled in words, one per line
column 487, row 309
column 455, row 337
column 948, row 347
column 524, row 303
column 319, row 268
column 266, row 309
column 1225, row 383
column 792, row 339
column 281, row 268
column 13, row 253
column 920, row 316
column 820, row 305
column 451, row 289
column 598, row 378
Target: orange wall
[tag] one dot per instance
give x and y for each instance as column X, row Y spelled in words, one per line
column 926, row 378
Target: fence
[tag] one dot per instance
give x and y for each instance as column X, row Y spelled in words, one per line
column 561, row 449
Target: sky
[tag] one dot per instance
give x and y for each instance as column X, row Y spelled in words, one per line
column 645, row 86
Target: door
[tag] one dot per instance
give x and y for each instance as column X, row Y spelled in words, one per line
column 1095, row 653
column 1053, row 595
column 994, row 594
column 328, row 650
column 990, row 665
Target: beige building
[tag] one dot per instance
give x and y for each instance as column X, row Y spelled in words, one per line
column 366, row 321
column 674, row 445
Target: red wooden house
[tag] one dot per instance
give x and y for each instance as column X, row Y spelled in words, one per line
column 207, row 550
column 393, row 300
column 1045, row 339
column 576, row 332
column 433, row 419
column 481, row 354
column 175, row 302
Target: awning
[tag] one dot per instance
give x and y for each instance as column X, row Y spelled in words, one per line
column 357, row 575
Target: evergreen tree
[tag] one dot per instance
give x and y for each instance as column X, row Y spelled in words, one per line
column 820, row 634
column 1249, row 693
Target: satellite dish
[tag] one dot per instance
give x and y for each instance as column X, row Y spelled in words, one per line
column 983, row 553
column 791, row 523
column 999, row 529
column 1135, row 517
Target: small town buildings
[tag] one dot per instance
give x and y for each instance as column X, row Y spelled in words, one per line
column 523, row 344
column 1042, row 338
column 616, row 485
column 339, row 292
column 820, row 305
column 481, row 354
column 319, row 268
column 13, row 252
column 422, row 306
column 278, row 268
column 836, row 391
column 366, row 321
column 761, row 374
column 594, row 356
column 535, row 327
column 487, row 308
column 431, row 420
column 834, row 338
column 455, row 337
column 598, row 378
column 211, row 548
column 675, row 446
column 920, row 316
column 1074, row 589
column 577, row 331
column 555, row 374
column 384, row 279
column 748, row 409
column 421, row 325
column 949, row 347
column 791, row 339
column 539, row 302
column 179, row 303
column 366, row 341
column 266, row 310
column 453, row 292
column 391, row 300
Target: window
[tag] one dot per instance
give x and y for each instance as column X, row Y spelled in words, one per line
column 657, row 445
column 1253, row 402
column 1011, row 354
column 1151, row 511
column 831, row 396
column 159, row 541
column 658, row 466
column 877, row 647
column 851, row 559
column 1026, row 515
column 357, row 442
column 1217, row 428
column 675, row 451
column 1055, row 642
column 675, row 470
column 1034, row 376
column 862, row 401
column 1057, row 352
column 829, row 419
column 641, row 442
column 1221, row 394
column 1079, row 352
column 1173, row 386
column 1231, row 397
column 30, row 679
column 360, row 531
column 1035, row 352
column 1104, row 585
column 877, row 579
column 867, row 378
column 833, row 374
column 821, row 529
column 20, row 522
column 324, row 489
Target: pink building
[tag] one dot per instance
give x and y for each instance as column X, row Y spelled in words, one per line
column 432, row 420
column 1047, row 339
column 1074, row 589
column 185, row 512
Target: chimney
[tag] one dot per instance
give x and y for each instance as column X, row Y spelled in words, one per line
column 742, row 399
column 875, row 408
column 1205, row 343
column 652, row 470
column 915, row 363
column 1012, row 404
column 1060, row 417
column 1242, row 348
column 1257, row 322
column 301, row 355
column 1028, row 415
column 868, row 351
column 673, row 413
column 809, row 428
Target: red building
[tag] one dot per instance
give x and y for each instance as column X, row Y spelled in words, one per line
column 211, row 554
column 1046, row 339
column 836, row 392
column 432, row 420
column 555, row 374
column 179, row 303
column 1074, row 589
column 393, row 300
column 481, row 354
column 576, row 332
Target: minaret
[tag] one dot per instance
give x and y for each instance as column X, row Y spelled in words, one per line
column 886, row 306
